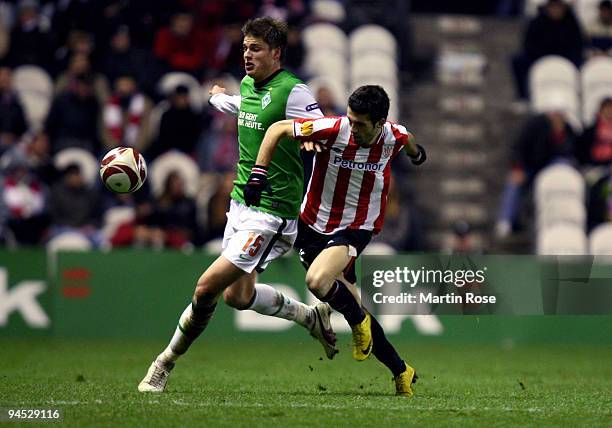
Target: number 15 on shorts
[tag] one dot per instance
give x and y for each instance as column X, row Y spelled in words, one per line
column 253, row 244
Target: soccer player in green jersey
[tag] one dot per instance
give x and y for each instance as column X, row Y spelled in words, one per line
column 254, row 236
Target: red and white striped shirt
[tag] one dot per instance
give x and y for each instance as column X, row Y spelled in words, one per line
column 349, row 183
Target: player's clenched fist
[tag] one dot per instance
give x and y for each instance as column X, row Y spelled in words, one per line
column 256, row 184
column 420, row 157
column 216, row 89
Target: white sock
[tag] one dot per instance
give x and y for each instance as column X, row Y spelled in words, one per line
column 187, row 330
column 269, row 301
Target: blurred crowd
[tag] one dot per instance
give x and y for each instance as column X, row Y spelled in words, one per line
column 111, row 68
column 550, row 136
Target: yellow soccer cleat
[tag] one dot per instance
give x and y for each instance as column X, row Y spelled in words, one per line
column 362, row 338
column 404, row 381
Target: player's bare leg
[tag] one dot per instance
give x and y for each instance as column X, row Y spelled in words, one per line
column 192, row 322
column 245, row 293
column 322, row 280
column 332, row 261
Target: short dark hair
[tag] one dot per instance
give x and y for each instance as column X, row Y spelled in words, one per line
column 371, row 99
column 605, row 4
column 270, row 30
column 605, row 102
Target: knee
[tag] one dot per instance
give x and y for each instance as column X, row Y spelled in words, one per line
column 205, row 290
column 236, row 298
column 318, row 283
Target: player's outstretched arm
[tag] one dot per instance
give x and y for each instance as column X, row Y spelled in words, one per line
column 415, row 152
column 223, row 102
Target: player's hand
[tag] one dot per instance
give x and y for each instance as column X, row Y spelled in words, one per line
column 420, row 157
column 256, row 184
column 216, row 89
column 312, row 146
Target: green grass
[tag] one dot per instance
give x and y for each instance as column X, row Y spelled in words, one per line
column 287, row 384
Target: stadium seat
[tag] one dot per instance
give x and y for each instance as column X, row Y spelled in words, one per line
column 558, row 180
column 329, row 10
column 35, row 90
column 327, row 63
column 558, row 98
column 553, row 70
column 600, row 240
column 36, row 108
column 174, row 161
column 554, row 85
column 214, row 246
column 115, row 217
column 372, row 38
column 586, row 11
column 170, row 81
column 531, row 7
column 73, row 241
column 334, row 38
column 372, row 65
column 559, row 210
column 86, row 161
column 337, row 88
column 66, row 241
column 562, row 240
column 596, row 81
column 32, row 78
column 379, row 249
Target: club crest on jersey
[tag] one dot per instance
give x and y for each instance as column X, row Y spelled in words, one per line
column 267, row 99
column 387, row 150
column 306, row 128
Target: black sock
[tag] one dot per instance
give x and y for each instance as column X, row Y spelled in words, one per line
column 342, row 300
column 384, row 351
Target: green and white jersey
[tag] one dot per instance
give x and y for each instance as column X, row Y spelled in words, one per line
column 281, row 96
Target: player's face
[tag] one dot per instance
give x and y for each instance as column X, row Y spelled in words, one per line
column 260, row 61
column 363, row 130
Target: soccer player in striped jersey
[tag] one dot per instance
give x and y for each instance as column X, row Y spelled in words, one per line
column 254, row 236
column 344, row 206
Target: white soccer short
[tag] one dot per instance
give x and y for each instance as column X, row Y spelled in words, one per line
column 253, row 238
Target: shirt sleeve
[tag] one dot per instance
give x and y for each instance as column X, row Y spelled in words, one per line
column 225, row 103
column 324, row 129
column 302, row 104
column 401, row 135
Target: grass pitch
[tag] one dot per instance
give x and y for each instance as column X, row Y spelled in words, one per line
column 288, row 384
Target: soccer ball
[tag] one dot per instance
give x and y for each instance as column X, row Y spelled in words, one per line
column 123, row 170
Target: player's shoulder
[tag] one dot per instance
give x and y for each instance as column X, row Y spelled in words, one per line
column 396, row 128
column 397, row 131
column 247, row 80
column 287, row 79
column 289, row 76
column 247, row 84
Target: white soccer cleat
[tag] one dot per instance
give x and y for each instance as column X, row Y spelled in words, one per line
column 156, row 378
column 322, row 329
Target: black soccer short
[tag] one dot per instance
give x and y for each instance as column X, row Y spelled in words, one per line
column 310, row 243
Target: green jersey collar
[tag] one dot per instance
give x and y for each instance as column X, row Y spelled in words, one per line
column 262, row 83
